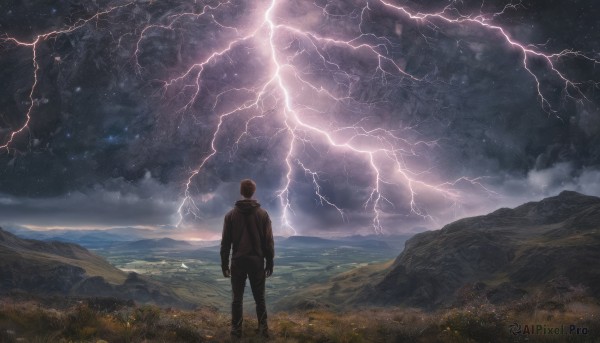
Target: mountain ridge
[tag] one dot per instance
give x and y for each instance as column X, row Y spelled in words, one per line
column 67, row 269
column 507, row 255
column 155, row 243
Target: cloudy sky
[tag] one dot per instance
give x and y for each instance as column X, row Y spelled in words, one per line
column 352, row 116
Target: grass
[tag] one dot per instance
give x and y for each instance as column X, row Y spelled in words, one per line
column 100, row 321
column 340, row 290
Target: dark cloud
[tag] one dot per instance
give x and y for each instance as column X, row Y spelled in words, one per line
column 112, row 203
column 109, row 145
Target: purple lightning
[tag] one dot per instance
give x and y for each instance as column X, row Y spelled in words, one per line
column 33, row 46
column 282, row 97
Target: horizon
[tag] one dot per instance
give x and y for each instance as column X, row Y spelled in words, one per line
column 154, row 234
column 158, row 233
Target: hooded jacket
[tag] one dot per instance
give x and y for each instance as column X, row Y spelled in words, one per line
column 247, row 227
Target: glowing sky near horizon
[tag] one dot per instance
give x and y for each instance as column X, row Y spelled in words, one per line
column 362, row 116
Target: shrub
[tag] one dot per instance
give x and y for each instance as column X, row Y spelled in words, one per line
column 82, row 323
column 479, row 325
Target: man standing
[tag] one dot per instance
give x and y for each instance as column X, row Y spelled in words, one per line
column 248, row 228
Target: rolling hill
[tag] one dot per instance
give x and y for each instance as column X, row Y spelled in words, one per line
column 359, row 242
column 548, row 247
column 58, row 268
column 153, row 244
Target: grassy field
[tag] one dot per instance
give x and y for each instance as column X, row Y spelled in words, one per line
column 85, row 321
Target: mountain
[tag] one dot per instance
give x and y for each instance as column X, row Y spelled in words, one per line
column 548, row 247
column 153, row 244
column 58, row 268
column 307, row 241
column 87, row 238
column 391, row 241
column 360, row 242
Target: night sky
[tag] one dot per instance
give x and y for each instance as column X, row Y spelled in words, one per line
column 352, row 116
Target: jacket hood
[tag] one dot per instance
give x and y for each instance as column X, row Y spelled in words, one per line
column 247, row 205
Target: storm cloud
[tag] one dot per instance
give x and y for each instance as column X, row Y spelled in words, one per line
column 112, row 203
column 124, row 112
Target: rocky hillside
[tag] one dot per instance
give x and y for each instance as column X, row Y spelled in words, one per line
column 56, row 268
column 547, row 248
column 550, row 245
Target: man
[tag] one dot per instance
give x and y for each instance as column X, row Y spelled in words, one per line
column 248, row 228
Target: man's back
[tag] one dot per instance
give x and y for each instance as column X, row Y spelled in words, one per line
column 247, row 228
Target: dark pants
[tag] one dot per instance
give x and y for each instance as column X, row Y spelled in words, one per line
column 253, row 268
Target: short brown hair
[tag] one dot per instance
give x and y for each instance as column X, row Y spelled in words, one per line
column 247, row 188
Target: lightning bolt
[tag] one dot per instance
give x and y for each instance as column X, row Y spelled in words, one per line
column 33, row 47
column 527, row 52
column 295, row 56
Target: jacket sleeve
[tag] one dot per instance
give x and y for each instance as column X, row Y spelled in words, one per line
column 226, row 242
column 269, row 243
